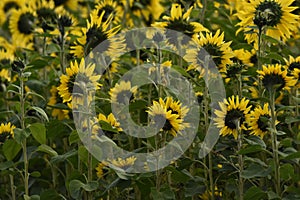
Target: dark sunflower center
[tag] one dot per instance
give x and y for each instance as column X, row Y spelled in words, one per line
column 4, row 136
column 71, row 84
column 271, row 80
column 268, row 13
column 10, row 5
column 59, row 2
column 46, row 14
column 108, row 11
column 214, row 51
column 25, row 23
column 294, row 65
column 233, row 70
column 253, row 59
column 232, row 117
column 161, row 121
column 4, row 62
column 65, row 21
column 181, row 26
column 95, row 36
column 262, row 122
column 124, row 96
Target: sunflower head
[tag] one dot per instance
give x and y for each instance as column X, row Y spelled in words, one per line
column 267, row 13
column 258, row 120
column 55, row 99
column 6, row 131
column 168, row 115
column 123, row 164
column 122, row 92
column 273, row 76
column 231, row 118
column 79, row 72
column 179, row 21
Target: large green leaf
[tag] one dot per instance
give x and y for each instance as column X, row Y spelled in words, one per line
column 10, row 149
column 254, row 193
column 38, row 131
column 76, row 186
column 46, row 149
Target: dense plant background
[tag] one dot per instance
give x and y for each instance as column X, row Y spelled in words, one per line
column 254, row 44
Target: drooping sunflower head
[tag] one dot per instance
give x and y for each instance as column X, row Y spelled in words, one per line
column 6, row 131
column 122, row 92
column 258, row 120
column 273, row 76
column 55, row 99
column 232, row 116
column 219, row 50
column 22, row 25
column 179, row 21
column 275, row 16
column 79, row 72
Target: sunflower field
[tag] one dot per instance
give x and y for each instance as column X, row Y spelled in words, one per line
column 149, row 99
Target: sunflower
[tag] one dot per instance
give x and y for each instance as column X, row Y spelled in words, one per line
column 22, row 25
column 293, row 65
column 273, row 75
column 207, row 195
column 215, row 46
column 177, row 21
column 243, row 56
column 97, row 31
column 6, row 131
column 6, row 6
column 67, row 81
column 171, row 123
column 110, row 119
column 109, row 7
column 232, row 116
column 276, row 14
column 44, row 10
column 122, row 92
column 174, row 106
column 100, row 170
column 258, row 120
column 61, row 114
column 123, row 164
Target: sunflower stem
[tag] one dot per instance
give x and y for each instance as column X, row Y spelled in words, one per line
column 24, row 143
column 202, row 17
column 241, row 164
column 274, row 141
column 210, row 162
column 12, row 187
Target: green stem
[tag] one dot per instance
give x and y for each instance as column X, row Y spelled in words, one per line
column 274, row 141
column 24, row 143
column 210, row 161
column 202, row 17
column 241, row 165
column 12, row 187
column 62, row 54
